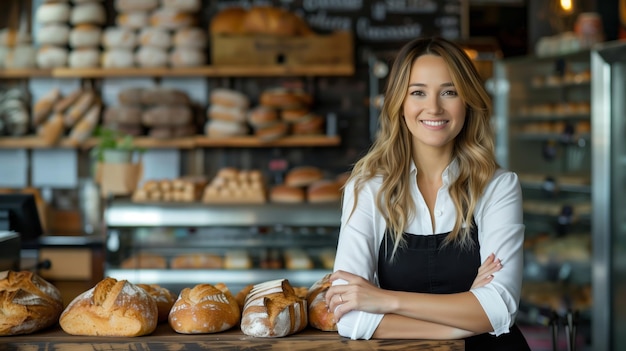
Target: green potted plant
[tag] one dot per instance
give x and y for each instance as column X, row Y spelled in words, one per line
column 113, row 147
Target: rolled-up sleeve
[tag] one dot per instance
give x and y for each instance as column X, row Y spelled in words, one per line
column 501, row 231
column 357, row 253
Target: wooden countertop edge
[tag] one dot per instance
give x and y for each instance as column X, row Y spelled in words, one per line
column 234, row 339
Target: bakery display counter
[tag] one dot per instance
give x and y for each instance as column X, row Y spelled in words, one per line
column 164, row 338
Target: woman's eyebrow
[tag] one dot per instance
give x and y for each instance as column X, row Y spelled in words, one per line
column 444, row 85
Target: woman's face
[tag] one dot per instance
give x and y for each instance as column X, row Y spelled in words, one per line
column 433, row 110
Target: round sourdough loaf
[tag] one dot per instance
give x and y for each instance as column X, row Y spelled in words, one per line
column 303, row 176
column 111, row 308
column 28, row 303
column 204, row 309
column 163, row 297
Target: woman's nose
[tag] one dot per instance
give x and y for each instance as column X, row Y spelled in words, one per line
column 433, row 105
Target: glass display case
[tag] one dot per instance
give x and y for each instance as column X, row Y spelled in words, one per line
column 179, row 245
column 608, row 62
column 543, row 123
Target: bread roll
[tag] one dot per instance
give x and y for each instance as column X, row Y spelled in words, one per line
column 85, row 36
column 133, row 20
column 84, row 58
column 53, row 34
column 159, row 116
column 119, row 37
column 272, row 309
column 225, row 113
column 284, row 98
column 49, row 56
column 219, row 129
column 135, row 5
column 323, row 191
column 270, row 132
column 286, row 194
column 295, row 114
column 204, row 309
column 228, row 21
column 28, row 303
column 228, row 97
column 320, row 317
column 262, row 116
column 52, row 13
column 193, row 38
column 88, row 13
column 148, row 56
column 162, row 296
column 156, row 37
column 187, row 57
column 303, row 176
column 117, row 58
column 171, row 19
column 111, row 308
column 182, row 5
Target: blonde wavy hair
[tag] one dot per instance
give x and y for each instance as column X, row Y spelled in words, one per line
column 390, row 155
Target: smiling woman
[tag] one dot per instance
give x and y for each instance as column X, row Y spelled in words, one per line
column 418, row 214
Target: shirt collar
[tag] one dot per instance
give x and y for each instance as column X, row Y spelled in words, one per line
column 449, row 174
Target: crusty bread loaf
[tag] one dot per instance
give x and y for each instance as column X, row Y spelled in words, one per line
column 28, row 303
column 287, row 194
column 111, row 308
column 319, row 315
column 272, row 309
column 303, row 176
column 144, row 260
column 197, row 261
column 204, row 309
column 43, row 106
column 242, row 294
column 164, row 96
column 51, row 130
column 323, row 191
column 162, row 296
column 228, row 21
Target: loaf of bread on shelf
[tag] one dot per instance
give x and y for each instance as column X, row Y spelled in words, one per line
column 77, row 110
column 271, row 131
column 157, row 37
column 228, row 21
column 204, row 309
column 133, row 19
column 171, row 19
column 117, row 58
column 51, row 130
column 270, row 20
column 240, row 297
column 86, row 126
column 283, row 98
column 187, row 57
column 167, row 115
column 286, row 194
column 85, row 36
column 119, row 37
column 272, row 309
column 226, row 113
column 149, row 56
column 52, row 12
column 182, row 5
column 84, row 58
column 229, row 98
column 122, row 115
column 64, row 103
column 144, row 260
column 312, row 124
column 197, row 261
column 231, row 185
column 111, row 308
column 164, row 96
column 163, row 297
column 237, row 259
column 297, row 259
column 28, row 303
column 303, row 176
column 193, row 38
column 43, row 107
column 262, row 116
column 51, row 56
column 320, row 317
column 323, row 191
column 88, row 13
column 53, row 34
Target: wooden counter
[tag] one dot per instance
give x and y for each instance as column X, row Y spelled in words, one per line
column 164, row 338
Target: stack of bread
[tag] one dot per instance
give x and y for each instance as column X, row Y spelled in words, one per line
column 77, row 113
column 111, row 308
column 77, row 26
column 226, row 114
column 165, row 113
column 273, row 309
column 14, row 112
column 204, row 309
column 162, row 33
column 258, row 20
column 306, row 183
column 232, row 185
column 28, row 303
column 183, row 189
column 16, row 49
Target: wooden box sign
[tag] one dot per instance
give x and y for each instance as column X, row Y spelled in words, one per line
column 336, row 48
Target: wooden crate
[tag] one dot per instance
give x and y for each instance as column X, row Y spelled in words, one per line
column 335, row 48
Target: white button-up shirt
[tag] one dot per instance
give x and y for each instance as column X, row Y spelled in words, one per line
column 499, row 218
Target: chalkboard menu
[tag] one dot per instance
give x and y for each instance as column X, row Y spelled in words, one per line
column 378, row 25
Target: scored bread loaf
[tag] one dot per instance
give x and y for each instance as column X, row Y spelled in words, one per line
column 272, row 309
column 28, row 303
column 204, row 309
column 319, row 315
column 163, row 298
column 111, row 308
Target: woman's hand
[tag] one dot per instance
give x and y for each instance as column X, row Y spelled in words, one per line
column 486, row 271
column 356, row 294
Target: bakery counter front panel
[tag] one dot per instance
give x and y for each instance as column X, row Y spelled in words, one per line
column 180, row 245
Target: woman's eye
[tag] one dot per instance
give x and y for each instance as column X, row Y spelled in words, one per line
column 449, row 93
column 417, row 92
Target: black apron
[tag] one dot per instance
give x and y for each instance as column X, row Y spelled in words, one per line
column 425, row 266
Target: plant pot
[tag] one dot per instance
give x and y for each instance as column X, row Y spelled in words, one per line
column 117, row 156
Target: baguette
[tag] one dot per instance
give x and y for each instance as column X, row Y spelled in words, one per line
column 111, row 308
column 272, row 309
column 62, row 105
column 77, row 110
column 51, row 130
column 204, row 309
column 28, row 303
column 43, row 106
column 85, row 127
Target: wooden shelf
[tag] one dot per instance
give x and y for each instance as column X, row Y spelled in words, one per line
column 204, row 71
column 34, row 142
